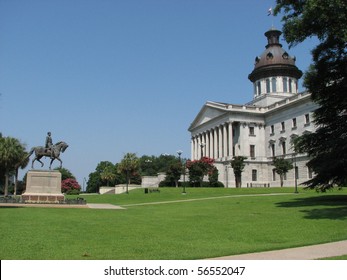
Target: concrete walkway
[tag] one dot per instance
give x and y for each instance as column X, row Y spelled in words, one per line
column 57, row 205
column 104, row 206
column 313, row 252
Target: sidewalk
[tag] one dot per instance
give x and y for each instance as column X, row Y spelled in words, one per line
column 313, row 252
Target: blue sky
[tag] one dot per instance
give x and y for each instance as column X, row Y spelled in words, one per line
column 113, row 76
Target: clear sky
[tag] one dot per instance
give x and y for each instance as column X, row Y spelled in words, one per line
column 115, row 76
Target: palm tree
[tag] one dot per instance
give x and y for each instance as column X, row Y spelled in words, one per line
column 128, row 165
column 238, row 164
column 282, row 166
column 21, row 164
column 108, row 174
column 11, row 153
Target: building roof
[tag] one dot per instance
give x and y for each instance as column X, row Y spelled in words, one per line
column 274, row 61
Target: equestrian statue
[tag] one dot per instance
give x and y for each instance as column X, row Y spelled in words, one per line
column 49, row 150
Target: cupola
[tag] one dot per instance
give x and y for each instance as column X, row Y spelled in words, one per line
column 274, row 70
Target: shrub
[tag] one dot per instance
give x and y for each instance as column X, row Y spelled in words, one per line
column 70, row 186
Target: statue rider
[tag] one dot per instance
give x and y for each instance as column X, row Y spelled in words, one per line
column 49, row 144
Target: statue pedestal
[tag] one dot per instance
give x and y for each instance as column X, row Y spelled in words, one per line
column 43, row 187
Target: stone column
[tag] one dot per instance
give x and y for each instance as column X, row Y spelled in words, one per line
column 220, row 142
column 215, row 142
column 230, row 140
column 196, row 140
column 225, row 140
column 208, row 143
column 211, row 143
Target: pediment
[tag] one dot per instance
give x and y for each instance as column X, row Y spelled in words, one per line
column 206, row 114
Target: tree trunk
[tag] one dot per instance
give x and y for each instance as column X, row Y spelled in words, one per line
column 238, row 181
column 15, row 182
column 281, row 179
column 6, row 185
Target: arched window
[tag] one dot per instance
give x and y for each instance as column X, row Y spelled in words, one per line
column 258, row 88
column 274, row 84
column 268, row 86
column 290, row 85
column 285, row 85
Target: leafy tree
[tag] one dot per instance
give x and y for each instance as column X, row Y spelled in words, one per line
column 129, row 166
column 11, row 153
column 282, row 166
column 108, row 174
column 94, row 182
column 238, row 164
column 213, row 177
column 327, row 81
column 174, row 172
column 65, row 173
column 22, row 163
column 198, row 169
column 148, row 165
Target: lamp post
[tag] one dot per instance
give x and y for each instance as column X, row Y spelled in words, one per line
column 148, row 161
column 179, row 152
column 202, row 145
column 84, row 181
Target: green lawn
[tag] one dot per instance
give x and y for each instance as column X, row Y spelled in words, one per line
column 234, row 222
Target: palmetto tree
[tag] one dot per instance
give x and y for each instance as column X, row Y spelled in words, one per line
column 282, row 166
column 21, row 164
column 108, row 174
column 238, row 164
column 11, row 154
column 129, row 165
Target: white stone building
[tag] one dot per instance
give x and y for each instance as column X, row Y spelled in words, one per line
column 262, row 128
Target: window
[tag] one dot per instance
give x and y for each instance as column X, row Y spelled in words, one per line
column 272, row 130
column 294, row 123
column 273, row 174
column 283, row 143
column 273, row 150
column 258, row 87
column 285, row 85
column 290, row 85
column 254, row 175
column 307, row 119
column 274, row 84
column 252, row 151
column 283, row 127
column 268, row 86
column 251, row 131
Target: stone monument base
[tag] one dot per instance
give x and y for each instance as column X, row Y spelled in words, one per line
column 43, row 187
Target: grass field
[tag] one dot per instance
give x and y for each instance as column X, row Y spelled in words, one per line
column 204, row 223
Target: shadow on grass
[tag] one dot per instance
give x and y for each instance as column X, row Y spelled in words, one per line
column 323, row 207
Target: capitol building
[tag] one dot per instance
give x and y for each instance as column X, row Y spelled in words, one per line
column 262, row 128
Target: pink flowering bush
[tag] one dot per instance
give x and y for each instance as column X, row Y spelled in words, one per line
column 199, row 168
column 70, row 186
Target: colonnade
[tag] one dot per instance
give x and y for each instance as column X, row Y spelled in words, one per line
column 217, row 142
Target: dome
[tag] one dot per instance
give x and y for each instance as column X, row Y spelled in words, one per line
column 274, row 61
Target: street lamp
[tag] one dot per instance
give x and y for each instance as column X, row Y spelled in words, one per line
column 202, row 145
column 84, row 181
column 179, row 152
column 147, row 165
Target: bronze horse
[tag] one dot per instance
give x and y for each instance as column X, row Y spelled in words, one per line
column 44, row 152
